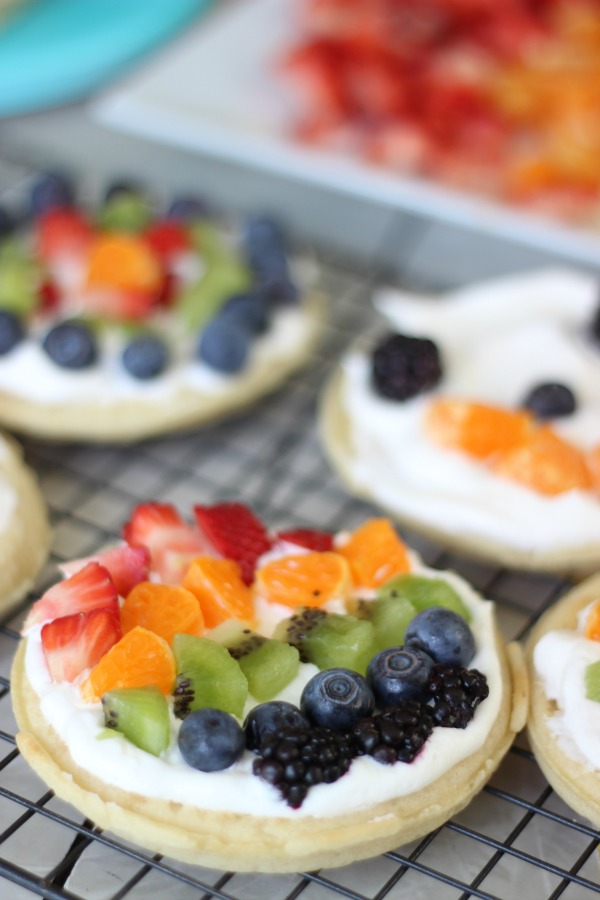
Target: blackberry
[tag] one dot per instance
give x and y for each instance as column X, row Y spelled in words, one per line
column 403, row 366
column 455, row 693
column 396, row 735
column 295, row 758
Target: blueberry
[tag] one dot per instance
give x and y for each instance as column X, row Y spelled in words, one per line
column 186, row 208
column 11, row 330
column 210, row 740
column 443, row 634
column 51, row 190
column 224, row 345
column 262, row 238
column 398, row 674
column 71, row 345
column 337, row 699
column 270, row 718
column 7, row 224
column 248, row 310
column 145, row 357
column 550, row 400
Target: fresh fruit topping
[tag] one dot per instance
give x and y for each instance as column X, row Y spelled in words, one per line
column 550, row 400
column 592, row 623
column 210, row 740
column 544, row 462
column 19, row 283
column 269, row 665
column 398, row 674
column 310, row 538
column 223, row 276
column 49, row 191
column 138, row 659
column 62, row 232
column 7, row 224
column 454, row 695
column 141, row 715
column 271, row 718
column 186, row 208
column 403, row 367
column 71, row 345
column 311, row 579
column 266, row 253
column 172, row 541
column 389, row 616
column 145, row 357
column 49, row 295
column 89, row 588
column 79, row 641
column 224, row 345
column 207, row 677
column 162, row 608
column 475, row 428
column 337, row 699
column 592, row 681
column 218, row 586
column 443, row 634
column 329, row 640
column 396, row 735
column 12, row 331
column 295, row 758
column 236, row 533
column 124, row 262
column 125, row 210
column 167, row 238
column 375, row 553
column 249, row 311
column 422, row 592
column 592, row 459
column 126, row 565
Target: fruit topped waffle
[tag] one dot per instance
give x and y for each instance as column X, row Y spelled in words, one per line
column 258, row 700
column 476, row 420
column 127, row 321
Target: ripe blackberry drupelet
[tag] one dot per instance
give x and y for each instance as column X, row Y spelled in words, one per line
column 396, row 735
column 455, row 693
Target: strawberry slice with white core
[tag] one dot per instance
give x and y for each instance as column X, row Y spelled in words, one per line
column 173, row 543
column 236, row 533
column 126, row 565
column 90, row 588
column 74, row 643
column 310, row 538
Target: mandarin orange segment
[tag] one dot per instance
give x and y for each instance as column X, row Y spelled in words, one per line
column 138, row 659
column 125, row 262
column 309, row 579
column 375, row 553
column 544, row 462
column 476, row 428
column 592, row 623
column 162, row 608
column 593, row 464
column 220, row 590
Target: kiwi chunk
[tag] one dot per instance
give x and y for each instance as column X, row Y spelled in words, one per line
column 424, row 592
column 390, row 617
column 269, row 665
column 207, row 676
column 141, row 715
column 330, row 640
column 592, row 681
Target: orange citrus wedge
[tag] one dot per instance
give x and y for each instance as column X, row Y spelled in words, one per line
column 475, row 428
column 375, row 553
column 140, row 658
column 544, row 462
column 309, row 579
column 220, row 590
column 162, row 608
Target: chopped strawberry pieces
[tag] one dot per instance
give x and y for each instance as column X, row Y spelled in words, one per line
column 321, row 541
column 77, row 642
column 167, row 238
column 61, row 232
column 126, row 565
column 236, row 533
column 49, row 295
column 173, row 543
column 90, row 588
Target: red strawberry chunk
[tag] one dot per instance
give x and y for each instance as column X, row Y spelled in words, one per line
column 236, row 533
column 173, row 543
column 126, row 565
column 167, row 238
column 320, row 541
column 90, row 588
column 63, row 231
column 77, row 642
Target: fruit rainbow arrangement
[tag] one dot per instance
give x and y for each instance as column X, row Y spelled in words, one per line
column 495, row 98
column 254, row 700
column 477, row 420
column 127, row 321
column 563, row 659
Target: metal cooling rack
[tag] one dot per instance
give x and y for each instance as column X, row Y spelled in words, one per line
column 516, row 839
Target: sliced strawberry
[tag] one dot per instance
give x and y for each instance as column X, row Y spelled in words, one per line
column 321, row 541
column 167, row 238
column 49, row 295
column 173, row 543
column 63, row 231
column 77, row 642
column 123, row 305
column 126, row 565
column 236, row 533
column 90, row 588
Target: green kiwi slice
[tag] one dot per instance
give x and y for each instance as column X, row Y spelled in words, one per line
column 268, row 665
column 424, row 592
column 207, row 676
column 141, row 715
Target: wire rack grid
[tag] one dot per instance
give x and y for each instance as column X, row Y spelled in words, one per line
column 515, row 839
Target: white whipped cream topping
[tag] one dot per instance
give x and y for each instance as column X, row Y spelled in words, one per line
column 560, row 659
column 119, row 763
column 496, row 342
